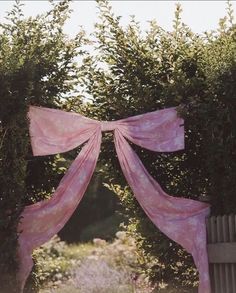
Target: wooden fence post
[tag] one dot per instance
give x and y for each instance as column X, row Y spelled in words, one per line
column 221, row 235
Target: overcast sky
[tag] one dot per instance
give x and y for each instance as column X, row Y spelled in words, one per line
column 198, row 15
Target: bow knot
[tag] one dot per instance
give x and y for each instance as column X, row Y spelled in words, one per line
column 108, row 125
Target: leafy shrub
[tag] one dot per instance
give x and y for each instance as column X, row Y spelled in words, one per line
column 143, row 72
column 52, row 261
column 55, row 260
column 36, row 67
column 99, row 267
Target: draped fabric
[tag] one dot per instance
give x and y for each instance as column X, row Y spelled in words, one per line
column 55, row 131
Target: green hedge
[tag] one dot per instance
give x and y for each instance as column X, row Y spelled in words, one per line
column 36, row 67
column 142, row 72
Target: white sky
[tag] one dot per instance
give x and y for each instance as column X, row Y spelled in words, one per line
column 198, row 15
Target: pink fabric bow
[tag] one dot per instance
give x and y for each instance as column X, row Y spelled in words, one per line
column 55, row 131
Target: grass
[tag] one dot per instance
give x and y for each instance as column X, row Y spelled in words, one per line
column 98, row 267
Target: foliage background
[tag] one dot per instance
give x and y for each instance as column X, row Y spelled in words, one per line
column 127, row 73
column 36, row 67
column 133, row 73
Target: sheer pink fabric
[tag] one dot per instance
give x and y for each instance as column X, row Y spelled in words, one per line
column 55, row 131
